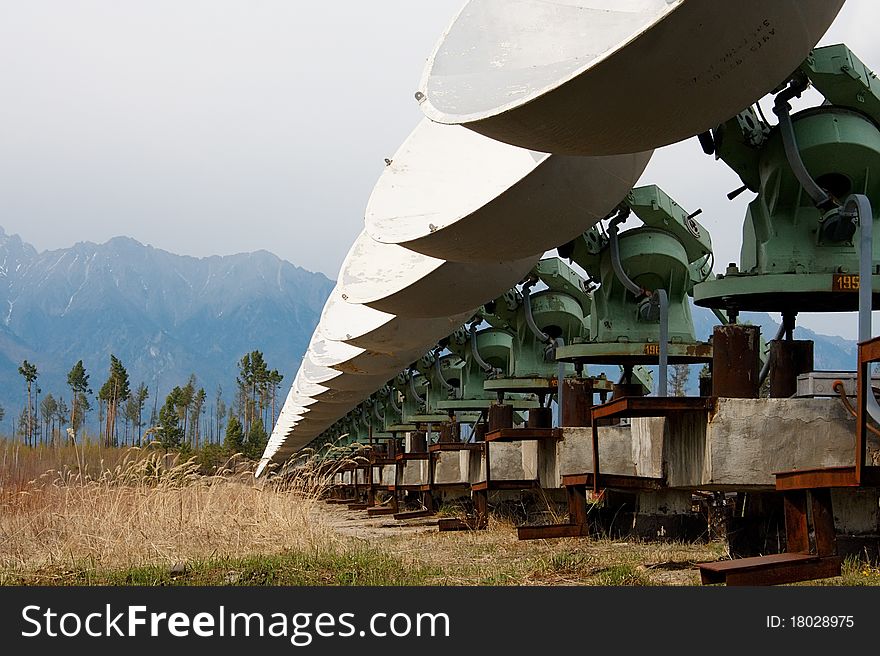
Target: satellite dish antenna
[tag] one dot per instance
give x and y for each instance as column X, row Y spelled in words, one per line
column 399, row 281
column 601, row 77
column 284, row 424
column 325, row 414
column 312, row 390
column 290, row 415
column 320, row 410
column 313, row 373
column 453, row 194
column 300, row 399
column 326, row 395
column 292, row 407
column 359, row 325
column 354, row 360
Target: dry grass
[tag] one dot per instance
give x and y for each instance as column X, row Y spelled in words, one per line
column 149, row 509
column 83, row 520
column 20, row 465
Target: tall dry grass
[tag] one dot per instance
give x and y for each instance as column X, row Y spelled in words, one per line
column 20, row 464
column 142, row 507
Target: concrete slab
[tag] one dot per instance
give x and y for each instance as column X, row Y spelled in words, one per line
column 513, row 461
column 740, row 447
column 384, row 474
column 456, row 467
column 748, row 440
column 414, row 472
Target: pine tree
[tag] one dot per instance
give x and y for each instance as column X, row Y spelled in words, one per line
column 184, row 401
column 219, row 414
column 23, row 425
column 273, row 380
column 246, row 383
column 198, row 406
column 140, row 396
column 114, row 391
column 48, row 408
column 133, row 412
column 29, row 373
column 78, row 382
column 256, row 440
column 234, row 441
column 84, row 407
column 61, row 414
column 253, row 384
column 170, row 431
column 38, row 425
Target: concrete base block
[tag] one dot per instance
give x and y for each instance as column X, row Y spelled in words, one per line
column 516, row 461
column 653, row 516
column 857, row 520
column 384, row 475
column 624, row 450
column 668, row 515
column 456, row 467
column 448, row 468
column 748, row 440
column 414, row 472
column 739, row 447
column 453, row 495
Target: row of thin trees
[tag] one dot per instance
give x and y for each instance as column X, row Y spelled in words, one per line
column 182, row 422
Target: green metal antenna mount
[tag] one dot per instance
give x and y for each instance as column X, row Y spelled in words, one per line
column 795, row 256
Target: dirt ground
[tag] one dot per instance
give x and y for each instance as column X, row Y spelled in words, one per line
column 497, row 557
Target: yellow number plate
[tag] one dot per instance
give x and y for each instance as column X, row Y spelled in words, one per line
column 845, row 282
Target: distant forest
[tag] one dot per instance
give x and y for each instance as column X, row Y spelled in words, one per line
column 129, row 416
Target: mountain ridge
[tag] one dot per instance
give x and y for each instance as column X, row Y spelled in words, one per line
column 164, row 315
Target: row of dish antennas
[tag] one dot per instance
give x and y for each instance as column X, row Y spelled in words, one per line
column 516, row 348
column 532, row 137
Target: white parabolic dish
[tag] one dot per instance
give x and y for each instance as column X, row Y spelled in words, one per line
column 362, row 326
column 327, row 395
column 602, row 77
column 299, row 399
column 456, row 195
column 399, row 281
column 335, row 379
column 329, row 353
column 322, row 415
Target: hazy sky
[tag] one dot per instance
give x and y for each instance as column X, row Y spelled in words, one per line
column 219, row 126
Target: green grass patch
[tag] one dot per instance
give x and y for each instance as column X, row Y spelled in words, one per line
column 620, row 575
column 360, row 567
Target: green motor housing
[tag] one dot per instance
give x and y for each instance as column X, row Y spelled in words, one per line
column 795, row 256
